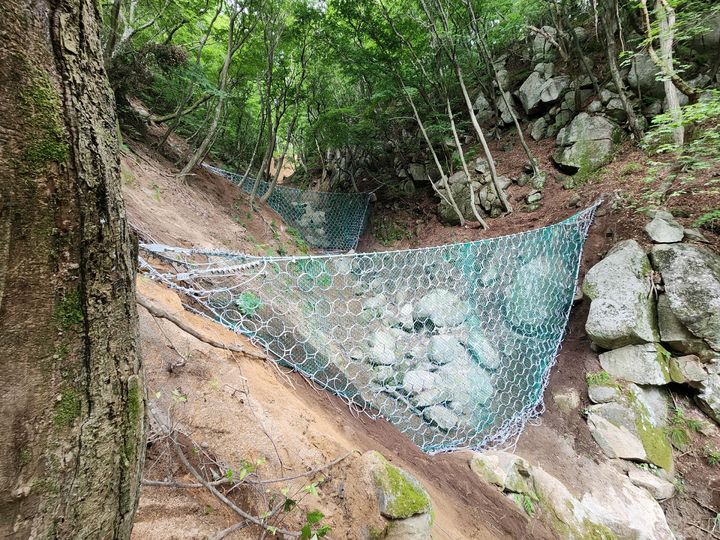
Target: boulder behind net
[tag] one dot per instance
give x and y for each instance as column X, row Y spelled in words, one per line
column 328, row 221
column 452, row 344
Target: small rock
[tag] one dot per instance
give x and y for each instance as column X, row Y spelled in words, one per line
column 664, row 230
column 442, row 308
column 599, row 393
column 567, row 401
column 416, row 381
column 445, row 348
column 481, row 350
column 695, row 236
column 399, row 494
column 534, row 197
column 383, row 348
column 503, row 469
column 641, row 364
column 413, row 528
column 432, row 396
column 441, row 416
column 660, row 489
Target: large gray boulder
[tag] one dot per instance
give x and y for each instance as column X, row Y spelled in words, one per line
column 531, row 91
column 587, row 143
column 622, row 310
column 643, row 76
column 641, row 364
column 692, row 284
column 482, row 108
column 554, row 88
column 676, row 335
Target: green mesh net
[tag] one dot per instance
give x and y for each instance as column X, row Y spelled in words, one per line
column 326, row 220
column 452, row 344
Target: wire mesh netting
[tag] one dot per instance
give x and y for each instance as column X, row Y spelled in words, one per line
column 451, row 344
column 326, row 220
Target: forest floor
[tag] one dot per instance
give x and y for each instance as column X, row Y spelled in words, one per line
column 238, row 409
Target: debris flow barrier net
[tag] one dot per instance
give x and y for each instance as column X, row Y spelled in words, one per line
column 330, row 221
column 451, row 344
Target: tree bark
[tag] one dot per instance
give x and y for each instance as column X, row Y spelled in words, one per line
column 610, row 24
column 73, row 408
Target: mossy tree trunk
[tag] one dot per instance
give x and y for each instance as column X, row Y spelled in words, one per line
column 72, row 402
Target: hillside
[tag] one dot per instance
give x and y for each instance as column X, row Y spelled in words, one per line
column 236, row 408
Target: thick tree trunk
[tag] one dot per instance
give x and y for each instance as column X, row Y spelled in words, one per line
column 73, row 406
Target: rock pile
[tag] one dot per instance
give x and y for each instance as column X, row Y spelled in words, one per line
column 486, row 198
column 657, row 316
column 427, row 352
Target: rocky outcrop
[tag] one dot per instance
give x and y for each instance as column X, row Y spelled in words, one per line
column 643, row 76
column 622, row 310
column 691, row 276
column 586, row 144
column 486, row 198
column 609, row 506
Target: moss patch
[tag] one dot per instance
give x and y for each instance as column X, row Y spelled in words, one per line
column 42, row 104
column 67, row 408
column 68, row 311
column 401, row 495
column 654, row 439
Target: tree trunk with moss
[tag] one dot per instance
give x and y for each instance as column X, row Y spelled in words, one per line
column 72, row 406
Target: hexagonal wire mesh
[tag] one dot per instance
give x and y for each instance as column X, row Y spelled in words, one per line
column 330, row 221
column 451, row 344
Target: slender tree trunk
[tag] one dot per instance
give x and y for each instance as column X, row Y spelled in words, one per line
column 202, row 150
column 449, row 199
column 189, row 92
column 666, row 16
column 488, row 155
column 461, row 153
column 114, row 23
column 609, row 25
column 73, row 406
column 485, row 54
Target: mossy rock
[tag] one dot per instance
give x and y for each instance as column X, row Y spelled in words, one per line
column 400, row 496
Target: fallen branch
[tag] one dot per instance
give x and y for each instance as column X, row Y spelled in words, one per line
column 239, row 511
column 302, row 475
column 156, row 311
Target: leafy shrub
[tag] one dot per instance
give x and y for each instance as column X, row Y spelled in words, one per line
column 702, row 132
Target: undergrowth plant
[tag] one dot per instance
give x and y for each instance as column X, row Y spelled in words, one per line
column 702, row 127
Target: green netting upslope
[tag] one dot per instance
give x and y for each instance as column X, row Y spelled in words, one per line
column 330, row 221
column 452, row 344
